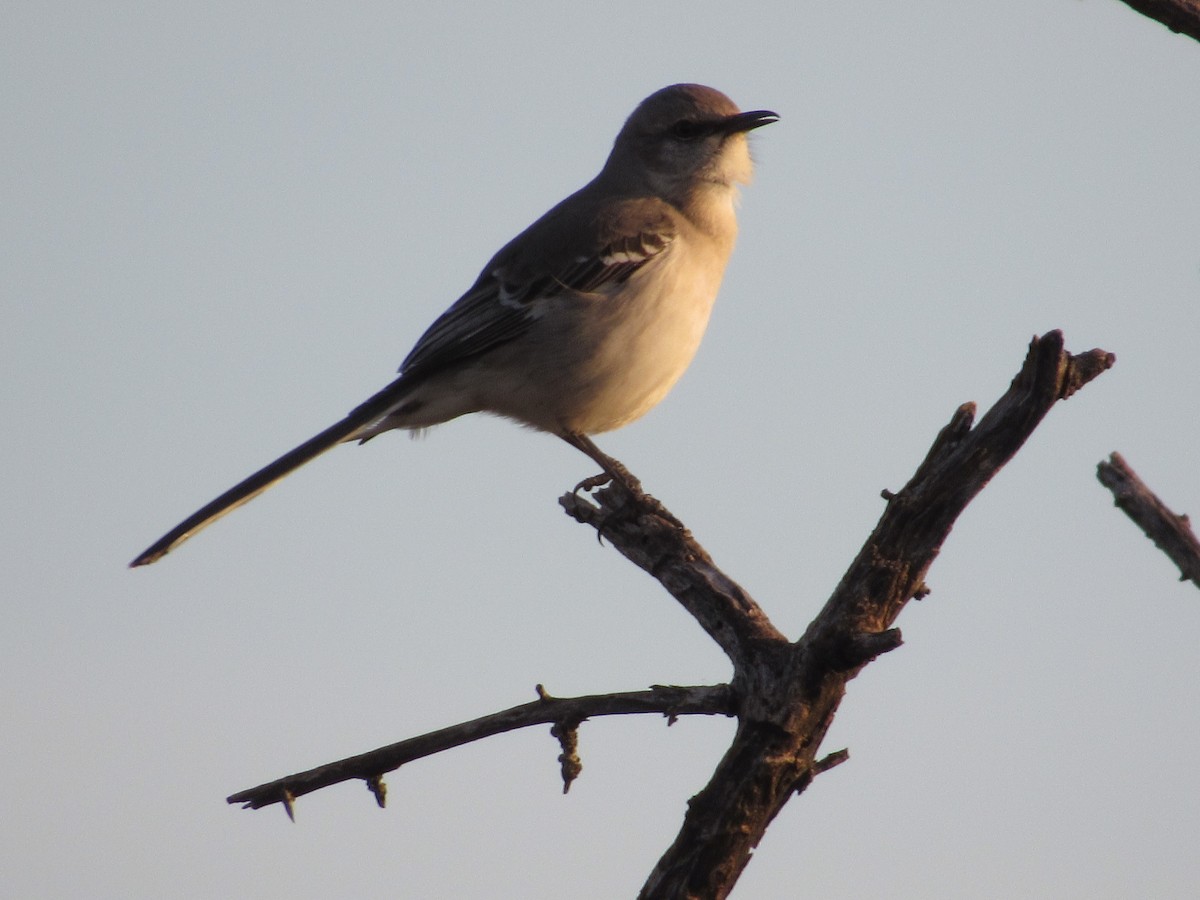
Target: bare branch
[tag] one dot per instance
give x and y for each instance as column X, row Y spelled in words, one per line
column 1181, row 16
column 784, row 694
column 788, row 701
column 890, row 569
column 649, row 537
column 1171, row 533
column 668, row 700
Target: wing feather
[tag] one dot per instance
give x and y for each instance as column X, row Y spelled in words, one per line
column 501, row 306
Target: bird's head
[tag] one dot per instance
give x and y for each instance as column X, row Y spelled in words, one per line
column 685, row 137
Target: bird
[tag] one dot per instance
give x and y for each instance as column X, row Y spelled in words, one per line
column 585, row 320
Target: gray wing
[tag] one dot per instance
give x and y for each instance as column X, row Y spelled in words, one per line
column 505, row 301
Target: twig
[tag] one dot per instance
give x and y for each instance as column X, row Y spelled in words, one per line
column 666, row 700
column 640, row 529
column 1171, row 533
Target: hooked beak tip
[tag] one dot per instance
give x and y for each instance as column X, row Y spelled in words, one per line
column 748, row 121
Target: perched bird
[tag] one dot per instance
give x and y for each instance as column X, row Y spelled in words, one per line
column 585, row 320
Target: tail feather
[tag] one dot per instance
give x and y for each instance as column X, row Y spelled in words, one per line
column 246, row 490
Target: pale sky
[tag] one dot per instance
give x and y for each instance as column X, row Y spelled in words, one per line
column 225, row 225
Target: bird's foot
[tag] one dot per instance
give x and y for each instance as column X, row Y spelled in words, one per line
column 616, row 475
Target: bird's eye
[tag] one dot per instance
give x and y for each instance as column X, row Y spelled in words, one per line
column 688, row 130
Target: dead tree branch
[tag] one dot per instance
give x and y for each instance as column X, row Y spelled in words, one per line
column 788, row 698
column 1171, row 533
column 784, row 693
column 565, row 713
column 1181, row 16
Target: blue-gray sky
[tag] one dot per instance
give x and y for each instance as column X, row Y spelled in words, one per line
column 223, row 226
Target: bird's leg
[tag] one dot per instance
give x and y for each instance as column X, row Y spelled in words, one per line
column 614, row 472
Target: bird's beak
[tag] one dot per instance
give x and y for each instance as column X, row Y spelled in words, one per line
column 748, row 120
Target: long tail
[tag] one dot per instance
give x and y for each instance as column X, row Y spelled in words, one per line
column 372, row 410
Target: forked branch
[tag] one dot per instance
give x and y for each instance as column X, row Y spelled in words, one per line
column 785, row 694
column 787, row 700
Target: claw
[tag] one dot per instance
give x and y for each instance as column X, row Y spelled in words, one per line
column 596, row 481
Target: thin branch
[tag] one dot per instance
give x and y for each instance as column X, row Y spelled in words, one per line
column 668, row 700
column 1181, row 16
column 1171, row 533
column 641, row 530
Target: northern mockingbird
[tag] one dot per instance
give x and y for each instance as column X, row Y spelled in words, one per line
column 586, row 319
